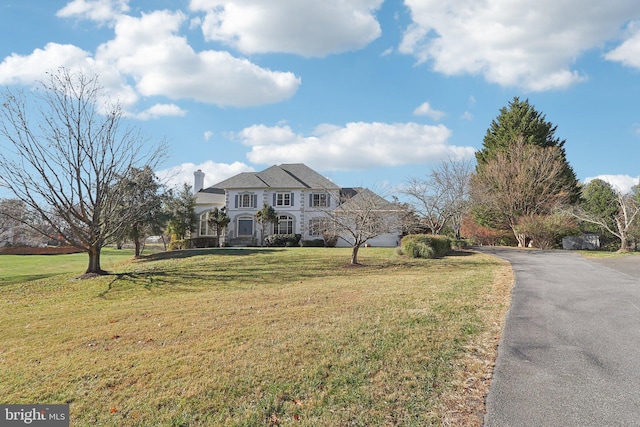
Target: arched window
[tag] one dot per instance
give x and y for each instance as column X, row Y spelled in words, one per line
column 204, row 229
column 285, row 225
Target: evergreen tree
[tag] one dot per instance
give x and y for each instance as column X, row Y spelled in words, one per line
column 520, row 121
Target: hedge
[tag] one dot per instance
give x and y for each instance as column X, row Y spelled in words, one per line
column 315, row 243
column 196, row 242
column 425, row 245
column 282, row 240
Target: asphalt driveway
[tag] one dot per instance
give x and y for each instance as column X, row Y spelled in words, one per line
column 570, row 350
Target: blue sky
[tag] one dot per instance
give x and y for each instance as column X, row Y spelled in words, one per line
column 367, row 92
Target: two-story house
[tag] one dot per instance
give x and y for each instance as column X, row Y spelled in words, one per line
column 300, row 196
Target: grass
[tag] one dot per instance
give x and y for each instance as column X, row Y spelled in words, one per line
column 245, row 337
column 607, row 254
column 25, row 268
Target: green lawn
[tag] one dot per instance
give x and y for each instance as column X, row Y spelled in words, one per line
column 258, row 337
column 24, row 268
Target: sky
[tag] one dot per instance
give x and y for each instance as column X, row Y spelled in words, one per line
column 367, row 92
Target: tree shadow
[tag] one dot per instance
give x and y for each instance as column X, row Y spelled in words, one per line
column 188, row 253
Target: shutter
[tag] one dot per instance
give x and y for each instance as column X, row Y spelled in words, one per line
column 274, row 199
column 292, row 199
column 255, row 200
column 237, row 201
column 310, row 200
column 328, row 201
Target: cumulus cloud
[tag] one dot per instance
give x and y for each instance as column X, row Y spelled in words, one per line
column 208, row 135
column 628, row 53
column 214, row 172
column 623, row 183
column 95, row 10
column 426, row 110
column 528, row 44
column 149, row 57
column 354, row 146
column 160, row 110
column 305, row 27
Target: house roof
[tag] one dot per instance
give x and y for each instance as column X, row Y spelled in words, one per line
column 363, row 198
column 289, row 176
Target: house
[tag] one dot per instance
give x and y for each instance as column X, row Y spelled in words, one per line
column 301, row 197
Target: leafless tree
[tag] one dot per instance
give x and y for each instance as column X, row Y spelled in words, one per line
column 442, row 197
column 524, row 181
column 621, row 223
column 363, row 215
column 64, row 150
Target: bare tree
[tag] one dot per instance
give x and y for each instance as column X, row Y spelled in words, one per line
column 363, row 215
column 442, row 197
column 524, row 181
column 63, row 155
column 619, row 220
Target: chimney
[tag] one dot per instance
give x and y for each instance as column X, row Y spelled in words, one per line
column 198, row 183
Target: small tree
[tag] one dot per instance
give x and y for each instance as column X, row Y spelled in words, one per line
column 141, row 194
column 609, row 209
column 443, row 196
column 64, row 156
column 546, row 230
column 219, row 219
column 266, row 215
column 363, row 216
column 180, row 210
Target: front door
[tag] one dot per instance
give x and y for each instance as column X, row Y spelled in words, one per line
column 245, row 227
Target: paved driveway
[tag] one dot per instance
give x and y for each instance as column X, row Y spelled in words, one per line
column 570, row 350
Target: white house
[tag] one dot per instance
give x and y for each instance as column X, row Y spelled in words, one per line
column 300, row 196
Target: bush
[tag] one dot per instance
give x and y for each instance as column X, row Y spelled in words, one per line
column 203, row 242
column 425, row 245
column 315, row 243
column 282, row 240
column 547, row 231
column 177, row 245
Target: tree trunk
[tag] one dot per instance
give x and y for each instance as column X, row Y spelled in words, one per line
column 136, row 240
column 354, row 254
column 94, row 261
column 624, row 245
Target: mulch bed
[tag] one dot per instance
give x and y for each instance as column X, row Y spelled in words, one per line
column 50, row 250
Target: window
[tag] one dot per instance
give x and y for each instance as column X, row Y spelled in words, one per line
column 204, row 224
column 246, row 200
column 319, row 200
column 285, row 225
column 283, row 199
column 317, row 226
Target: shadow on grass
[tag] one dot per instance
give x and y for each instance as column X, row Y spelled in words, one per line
column 188, row 253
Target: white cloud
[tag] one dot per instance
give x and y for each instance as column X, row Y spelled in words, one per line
column 623, row 183
column 208, row 135
column 95, row 10
column 304, row 27
column 160, row 110
column 628, row 53
column 150, row 52
column 214, row 172
column 354, row 146
column 467, row 115
column 426, row 110
column 528, row 44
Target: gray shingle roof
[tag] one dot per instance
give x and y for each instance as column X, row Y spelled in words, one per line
column 285, row 176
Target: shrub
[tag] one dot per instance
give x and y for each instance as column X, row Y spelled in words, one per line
column 203, row 242
column 547, row 231
column 315, row 243
column 282, row 240
column 176, row 245
column 425, row 245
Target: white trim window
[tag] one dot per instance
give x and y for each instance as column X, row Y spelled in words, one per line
column 205, row 230
column 319, row 200
column 318, row 226
column 282, row 199
column 246, row 200
column 285, row 224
